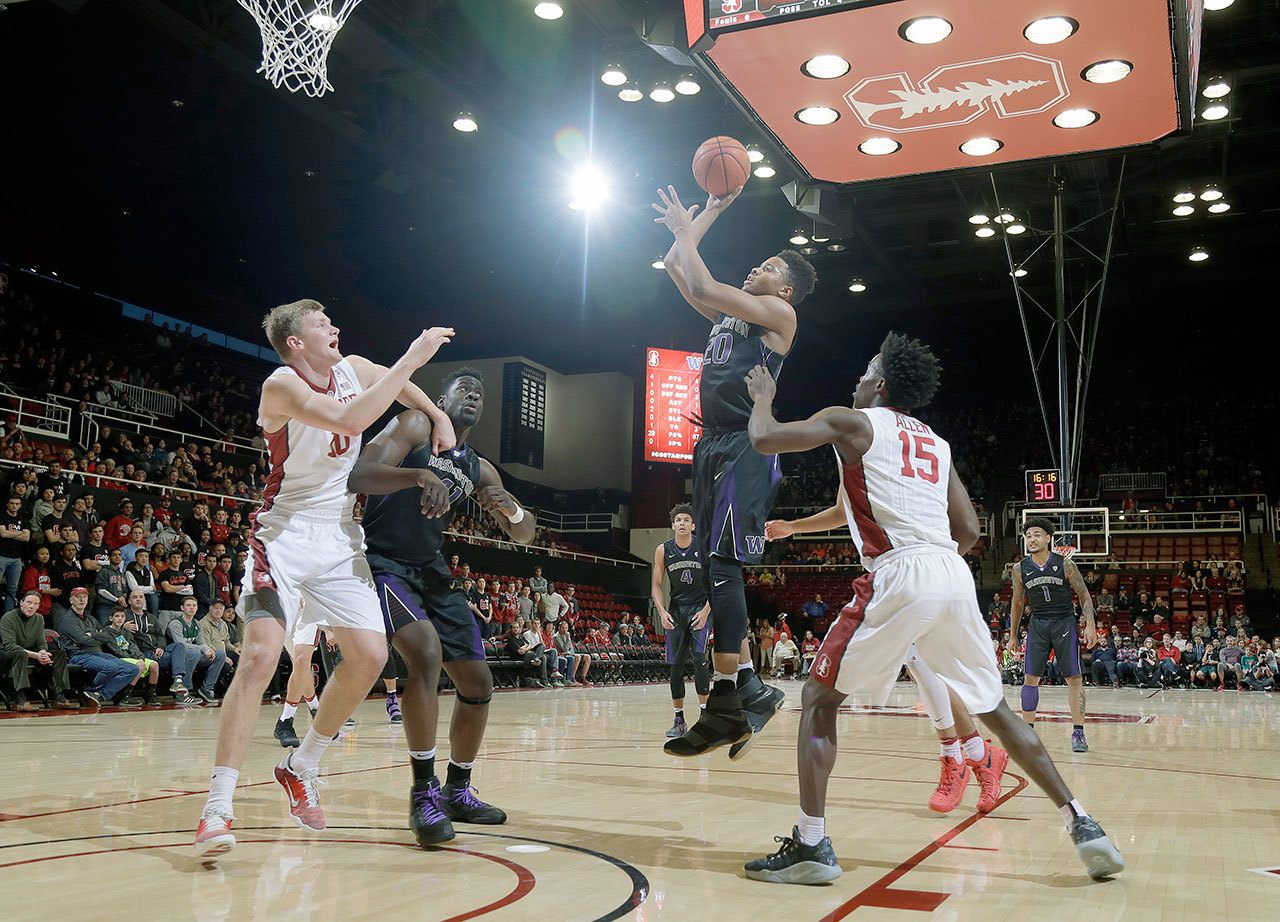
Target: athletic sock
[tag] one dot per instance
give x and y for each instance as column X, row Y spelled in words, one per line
column 308, row 755
column 812, row 828
column 313, row 704
column 222, row 785
column 1071, row 811
column 1079, row 727
column 973, row 747
column 679, row 713
column 290, row 708
column 458, row 774
column 949, row 748
column 748, row 669
column 423, row 763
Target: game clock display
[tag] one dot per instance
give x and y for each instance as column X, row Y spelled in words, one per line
column 722, row 14
column 1042, row 486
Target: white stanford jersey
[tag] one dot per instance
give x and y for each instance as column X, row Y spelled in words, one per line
column 896, row 497
column 310, row 466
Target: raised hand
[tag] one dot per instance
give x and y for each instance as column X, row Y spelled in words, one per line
column 717, row 204
column 672, row 211
column 422, row 349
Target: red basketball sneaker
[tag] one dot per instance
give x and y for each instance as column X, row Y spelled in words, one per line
column 951, row 785
column 213, row 836
column 302, row 790
column 989, row 770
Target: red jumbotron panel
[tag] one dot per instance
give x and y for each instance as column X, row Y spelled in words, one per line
column 670, row 401
column 914, row 105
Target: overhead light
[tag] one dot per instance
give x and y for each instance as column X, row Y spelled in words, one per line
column 763, row 170
column 857, row 286
column 687, row 86
column 322, row 22
column 1211, row 193
column 1216, row 88
column 1107, row 71
column 981, row 147
column 754, row 153
column 308, row 173
column 613, row 75
column 1050, row 30
column 1183, row 211
column 1216, row 111
column 817, row 239
column 835, row 247
column 825, row 67
column 178, row 103
column 1075, row 118
column 925, row 30
column 548, row 10
column 1215, row 5
column 630, row 93
column 1017, row 227
column 1219, row 208
column 878, row 147
column 465, row 122
column 985, row 232
column 799, row 239
column 662, row 93
column 1198, row 255
column 1019, row 273
column 658, row 263
column 1005, row 217
column 588, row 189
column 1186, row 195
column 817, row 115
column 808, row 251
column 978, row 219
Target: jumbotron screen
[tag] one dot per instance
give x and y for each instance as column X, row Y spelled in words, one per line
column 671, row 392
column 721, row 14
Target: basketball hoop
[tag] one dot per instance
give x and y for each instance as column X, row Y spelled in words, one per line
column 296, row 37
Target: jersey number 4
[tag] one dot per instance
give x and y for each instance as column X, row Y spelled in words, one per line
column 922, row 453
column 686, row 576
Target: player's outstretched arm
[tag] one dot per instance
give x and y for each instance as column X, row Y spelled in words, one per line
column 827, row 519
column 1076, row 581
column 1016, row 604
column 960, row 513
column 286, row 397
column 841, row 426
column 518, row 523
column 378, row 472
column 413, row 397
column 698, row 228
column 655, row 587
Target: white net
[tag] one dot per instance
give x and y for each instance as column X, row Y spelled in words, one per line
column 296, row 38
column 1083, row 532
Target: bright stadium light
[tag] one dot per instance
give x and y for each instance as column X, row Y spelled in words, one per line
column 981, row 147
column 879, row 147
column 548, row 10
column 1216, row 88
column 1198, row 255
column 1075, row 118
column 1211, row 193
column 925, row 30
column 630, row 93
column 1215, row 112
column 798, row 238
column 662, row 92
column 825, row 67
column 857, row 286
column 613, row 75
column 835, row 247
column 754, row 153
column 808, row 251
column 1183, row 211
column 1215, row 5
column 1017, row 227
column 1219, row 208
column 820, row 239
column 985, row 232
column 1108, row 71
column 1005, row 217
column 763, row 170
column 1019, row 273
column 1183, row 196
column 466, row 122
column 688, row 86
column 979, row 219
column 658, row 263
column 588, row 189
column 1050, row 30
column 817, row 115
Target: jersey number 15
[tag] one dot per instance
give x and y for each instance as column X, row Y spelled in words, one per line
column 922, row 453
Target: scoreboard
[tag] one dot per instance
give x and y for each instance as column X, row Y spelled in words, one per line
column 671, row 399
column 1042, row 486
column 724, row 14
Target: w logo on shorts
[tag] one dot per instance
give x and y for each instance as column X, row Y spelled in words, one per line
column 755, row 544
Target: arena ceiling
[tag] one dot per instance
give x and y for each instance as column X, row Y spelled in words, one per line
column 146, row 158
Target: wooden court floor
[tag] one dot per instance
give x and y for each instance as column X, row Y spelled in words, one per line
column 97, row 811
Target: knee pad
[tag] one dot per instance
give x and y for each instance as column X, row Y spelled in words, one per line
column 728, row 604
column 478, row 702
column 1030, row 697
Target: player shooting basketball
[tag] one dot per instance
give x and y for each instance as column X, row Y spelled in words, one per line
column 733, row 484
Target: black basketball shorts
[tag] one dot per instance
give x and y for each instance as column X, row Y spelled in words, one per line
column 733, row 490
column 408, row 594
column 1061, row 635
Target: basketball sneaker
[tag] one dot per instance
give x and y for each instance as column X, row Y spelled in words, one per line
column 678, row 727
column 1078, row 743
column 213, row 836
column 797, row 863
column 302, row 789
column 759, row 703
column 461, row 804
column 951, row 784
column 393, row 710
column 1101, row 858
column 722, row 724
column 286, row 735
column 989, row 770
column 427, row 817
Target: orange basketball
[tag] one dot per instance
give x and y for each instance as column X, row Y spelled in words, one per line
column 721, row 165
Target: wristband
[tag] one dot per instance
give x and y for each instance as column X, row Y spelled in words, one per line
column 518, row 517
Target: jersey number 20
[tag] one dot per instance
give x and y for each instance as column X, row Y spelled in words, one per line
column 922, row 453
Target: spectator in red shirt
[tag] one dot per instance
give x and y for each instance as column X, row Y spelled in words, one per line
column 37, row 576
column 455, row 566
column 164, row 515
column 808, row 652
column 1170, row 659
column 1158, row 625
column 220, row 529
column 119, row 529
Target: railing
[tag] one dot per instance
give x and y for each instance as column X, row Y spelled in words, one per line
column 39, row 417
column 98, row 415
column 1136, row 520
column 120, row 414
column 1124, row 483
column 91, row 481
column 160, row 403
column 568, row 522
column 1086, row 563
column 1226, row 521
column 508, row 545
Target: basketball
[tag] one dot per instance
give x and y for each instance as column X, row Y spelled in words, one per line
column 721, row 165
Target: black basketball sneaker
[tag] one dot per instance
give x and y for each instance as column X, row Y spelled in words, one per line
column 722, row 723
column 759, row 703
column 1101, row 858
column 797, row 863
column 285, row 734
column 427, row 817
column 461, row 804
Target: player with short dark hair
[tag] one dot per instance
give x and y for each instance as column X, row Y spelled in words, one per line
column 733, row 483
column 911, row 518
column 1044, row 581
column 680, row 560
column 413, row 492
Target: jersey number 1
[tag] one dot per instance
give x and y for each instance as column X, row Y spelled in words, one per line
column 922, row 453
